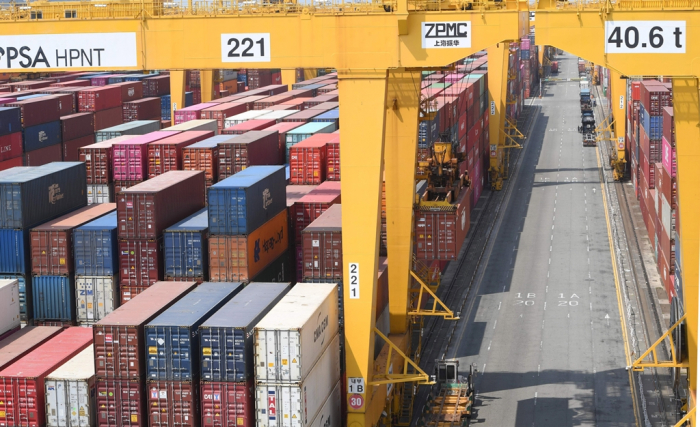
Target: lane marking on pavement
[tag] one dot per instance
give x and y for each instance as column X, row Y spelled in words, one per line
column 499, row 305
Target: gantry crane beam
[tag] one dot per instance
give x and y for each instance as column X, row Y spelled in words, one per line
column 370, row 44
column 604, row 33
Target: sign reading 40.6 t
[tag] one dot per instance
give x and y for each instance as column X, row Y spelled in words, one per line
column 645, row 36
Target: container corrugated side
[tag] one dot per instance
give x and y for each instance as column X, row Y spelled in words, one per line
column 23, row 341
column 140, row 262
column 119, row 337
column 9, row 305
column 301, row 400
column 136, row 127
column 173, row 403
column 121, row 403
column 226, row 338
column 95, row 247
column 300, row 326
column 53, row 298
column 330, row 413
column 14, row 251
column 185, row 247
column 228, row 404
column 97, row 296
column 322, row 243
column 172, row 341
column 70, row 392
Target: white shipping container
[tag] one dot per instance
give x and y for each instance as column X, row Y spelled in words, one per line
column 298, row 404
column 329, row 415
column 97, row 296
column 244, row 117
column 100, row 193
column 9, row 305
column 70, row 392
column 293, row 335
column 196, row 125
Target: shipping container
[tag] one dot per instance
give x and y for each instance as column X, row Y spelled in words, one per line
column 52, row 242
column 15, row 346
column 43, row 156
column 97, row 296
column 439, row 234
column 244, row 117
column 254, row 148
column 226, row 338
column 137, row 127
column 301, row 133
column 333, row 158
column 119, row 337
column 307, row 160
column 9, row 306
column 108, row 118
column 156, row 86
column 276, row 115
column 280, row 270
column 242, row 257
column 95, row 247
column 193, row 125
column 140, row 262
column 77, row 125
column 120, row 403
column 98, row 159
column 166, row 154
column 322, row 243
column 141, row 109
column 146, row 209
column 53, row 298
column 247, row 126
column 12, row 163
column 330, row 413
column 299, row 329
column 41, row 194
column 228, row 404
column 100, row 193
column 326, row 106
column 221, row 112
column 283, row 128
column 25, row 294
column 243, row 202
column 100, row 98
column 191, row 113
column 172, row 340
column 311, row 206
column 11, row 146
column 41, row 136
column 37, row 111
column 300, row 400
column 70, row 392
column 22, row 383
column 173, row 403
column 186, row 250
column 71, row 149
column 130, row 90
column 204, row 156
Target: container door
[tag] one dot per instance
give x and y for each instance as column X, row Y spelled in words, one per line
column 235, row 355
column 181, row 354
column 106, row 295
column 85, row 300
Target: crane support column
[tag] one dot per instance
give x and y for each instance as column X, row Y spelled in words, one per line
column 177, row 92
column 498, row 91
column 289, row 77
column 618, row 97
column 363, row 116
column 686, row 112
column 400, row 147
column 206, row 81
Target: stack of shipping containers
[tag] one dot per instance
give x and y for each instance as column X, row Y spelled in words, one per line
column 186, row 250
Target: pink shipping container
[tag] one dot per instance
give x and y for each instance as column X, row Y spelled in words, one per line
column 248, row 125
column 193, row 112
column 307, row 160
column 101, row 98
column 166, row 154
column 283, row 128
column 22, row 383
column 254, row 148
column 23, row 341
column 226, row 404
column 141, row 109
column 98, row 159
column 130, row 158
column 220, row 112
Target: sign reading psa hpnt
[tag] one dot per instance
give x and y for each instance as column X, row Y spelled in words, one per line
column 47, row 51
column 446, row 35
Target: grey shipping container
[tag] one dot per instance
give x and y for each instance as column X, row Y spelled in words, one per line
column 96, row 297
column 53, row 298
column 41, row 194
column 95, row 247
column 185, row 250
column 227, row 348
column 137, row 127
column 243, row 202
column 172, row 344
column 43, row 135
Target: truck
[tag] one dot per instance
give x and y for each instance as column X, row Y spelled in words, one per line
column 587, row 128
column 452, row 404
column 585, row 98
column 554, row 69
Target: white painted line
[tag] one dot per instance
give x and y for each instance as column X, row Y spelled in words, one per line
column 489, row 349
column 494, row 323
column 483, row 369
column 591, row 305
column 538, row 370
column 499, row 304
column 545, row 306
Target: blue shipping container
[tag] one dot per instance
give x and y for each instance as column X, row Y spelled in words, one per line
column 429, row 131
column 226, row 338
column 172, row 344
column 23, row 297
column 43, row 135
column 332, row 116
column 653, row 125
column 243, row 202
column 95, row 247
column 10, row 120
column 186, row 247
column 43, row 193
column 138, row 77
column 14, row 251
column 53, row 298
column 115, row 79
column 165, row 112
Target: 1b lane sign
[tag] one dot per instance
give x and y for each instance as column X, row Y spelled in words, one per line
column 356, row 401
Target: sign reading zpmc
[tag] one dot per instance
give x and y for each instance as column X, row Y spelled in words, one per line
column 46, row 51
column 446, row 35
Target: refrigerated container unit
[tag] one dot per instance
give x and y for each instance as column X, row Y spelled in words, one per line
column 96, row 296
column 130, row 158
column 70, row 392
column 25, row 294
column 186, row 249
column 136, row 127
column 120, row 349
column 247, row 126
column 243, row 202
column 301, row 133
column 193, row 112
column 192, row 125
column 9, row 307
column 21, row 342
column 100, row 193
column 98, row 160
column 166, row 154
column 244, row 117
column 172, row 339
column 254, row 148
column 26, row 377
column 307, row 160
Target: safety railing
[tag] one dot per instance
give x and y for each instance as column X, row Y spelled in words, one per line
column 627, row 4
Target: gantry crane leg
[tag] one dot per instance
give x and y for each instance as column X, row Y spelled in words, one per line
column 206, row 81
column 498, row 88
column 618, row 97
column 177, row 92
column 289, row 77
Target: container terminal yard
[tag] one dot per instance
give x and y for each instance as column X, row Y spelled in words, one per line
column 178, row 247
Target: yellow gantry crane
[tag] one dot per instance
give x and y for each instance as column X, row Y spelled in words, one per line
column 379, row 49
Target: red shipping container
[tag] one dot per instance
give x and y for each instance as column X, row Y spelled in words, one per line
column 320, row 100
column 99, row 98
column 77, row 125
column 295, row 103
column 636, row 90
column 263, row 104
column 254, row 148
column 333, row 156
column 166, row 154
column 98, row 159
column 439, row 234
column 22, row 383
column 130, row 90
column 173, row 403
column 120, row 186
column 71, row 149
column 156, row 86
column 322, row 243
column 204, row 159
column 283, row 128
column 7, row 164
column 36, row 111
column 120, row 351
column 654, row 96
column 307, row 209
column 31, row 84
column 227, row 404
column 130, row 158
column 42, row 156
column 220, row 112
column 145, row 210
column 107, row 118
column 307, row 160
column 473, row 136
column 303, row 116
column 65, row 103
column 247, row 126
column 72, row 91
column 141, row 109
column 52, row 242
column 193, row 112
column 20, row 342
column 10, row 146
column 120, row 403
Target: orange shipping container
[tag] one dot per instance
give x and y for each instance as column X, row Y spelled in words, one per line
column 240, row 258
column 307, row 162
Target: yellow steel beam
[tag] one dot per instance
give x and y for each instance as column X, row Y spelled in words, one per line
column 177, row 92
column 206, row 81
column 424, row 289
column 676, row 362
column 689, row 417
column 387, row 374
column 289, row 77
column 618, row 96
column 400, row 147
column 498, row 85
